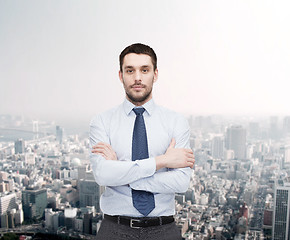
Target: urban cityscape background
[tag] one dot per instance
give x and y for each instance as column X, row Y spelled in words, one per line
column 239, row 189
column 224, row 64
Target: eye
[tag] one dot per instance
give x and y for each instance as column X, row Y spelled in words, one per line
column 145, row 70
column 129, row 71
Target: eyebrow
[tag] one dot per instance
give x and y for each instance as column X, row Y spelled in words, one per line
column 128, row 67
column 144, row 66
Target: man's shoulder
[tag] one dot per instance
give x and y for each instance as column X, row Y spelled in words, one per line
column 174, row 121
column 169, row 113
column 105, row 116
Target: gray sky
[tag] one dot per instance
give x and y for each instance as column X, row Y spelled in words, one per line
column 59, row 58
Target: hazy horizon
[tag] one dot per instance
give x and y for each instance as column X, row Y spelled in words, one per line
column 59, row 59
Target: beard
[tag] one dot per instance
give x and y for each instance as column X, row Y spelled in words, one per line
column 135, row 98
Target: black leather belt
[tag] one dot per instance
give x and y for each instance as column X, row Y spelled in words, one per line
column 140, row 222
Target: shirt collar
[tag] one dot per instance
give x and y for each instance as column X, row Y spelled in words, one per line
column 149, row 106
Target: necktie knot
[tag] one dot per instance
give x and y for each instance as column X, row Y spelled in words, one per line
column 138, row 111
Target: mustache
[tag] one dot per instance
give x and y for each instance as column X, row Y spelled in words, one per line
column 138, row 84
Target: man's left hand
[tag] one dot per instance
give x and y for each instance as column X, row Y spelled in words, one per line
column 105, row 150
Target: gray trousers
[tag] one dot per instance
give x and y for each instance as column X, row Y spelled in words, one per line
column 113, row 231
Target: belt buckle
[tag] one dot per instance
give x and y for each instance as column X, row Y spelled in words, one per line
column 132, row 221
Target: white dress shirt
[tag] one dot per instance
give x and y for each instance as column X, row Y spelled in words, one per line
column 115, row 127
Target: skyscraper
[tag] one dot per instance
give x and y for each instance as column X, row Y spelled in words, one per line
column 19, row 146
column 34, row 202
column 254, row 130
column 35, row 129
column 274, row 130
column 286, row 153
column 281, row 228
column 286, row 125
column 217, row 148
column 236, row 141
column 7, row 202
column 89, row 192
column 59, row 134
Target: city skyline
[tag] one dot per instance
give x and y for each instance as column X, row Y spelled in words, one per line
column 59, row 59
column 231, row 194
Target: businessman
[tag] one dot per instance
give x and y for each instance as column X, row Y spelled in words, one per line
column 140, row 151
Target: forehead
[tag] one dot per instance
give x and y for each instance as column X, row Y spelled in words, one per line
column 137, row 60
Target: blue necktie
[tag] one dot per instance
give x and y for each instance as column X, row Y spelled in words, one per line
column 143, row 201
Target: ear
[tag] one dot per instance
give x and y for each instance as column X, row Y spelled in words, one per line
column 121, row 76
column 155, row 78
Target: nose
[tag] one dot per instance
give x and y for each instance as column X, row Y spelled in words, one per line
column 138, row 76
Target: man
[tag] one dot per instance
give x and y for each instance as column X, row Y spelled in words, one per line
column 141, row 153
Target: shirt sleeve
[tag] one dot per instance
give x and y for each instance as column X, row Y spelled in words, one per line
column 173, row 180
column 115, row 172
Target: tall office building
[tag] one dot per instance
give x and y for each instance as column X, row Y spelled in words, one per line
column 286, row 154
column 70, row 215
column 88, row 222
column 35, row 129
column 274, row 129
column 217, row 148
column 281, row 228
column 19, row 146
column 7, row 202
column 286, row 125
column 82, row 172
column 34, row 202
column 51, row 219
column 236, row 141
column 254, row 130
column 59, row 134
column 89, row 192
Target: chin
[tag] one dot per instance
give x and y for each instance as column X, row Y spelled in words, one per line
column 138, row 99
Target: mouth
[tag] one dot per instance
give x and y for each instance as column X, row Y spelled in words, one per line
column 138, row 87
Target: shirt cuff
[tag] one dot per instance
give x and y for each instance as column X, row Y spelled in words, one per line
column 148, row 166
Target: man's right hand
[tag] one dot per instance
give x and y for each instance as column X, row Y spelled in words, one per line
column 105, row 150
column 175, row 157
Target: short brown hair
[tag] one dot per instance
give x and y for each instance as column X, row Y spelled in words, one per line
column 138, row 48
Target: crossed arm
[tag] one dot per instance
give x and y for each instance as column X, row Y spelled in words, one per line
column 173, row 158
column 139, row 174
column 175, row 180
